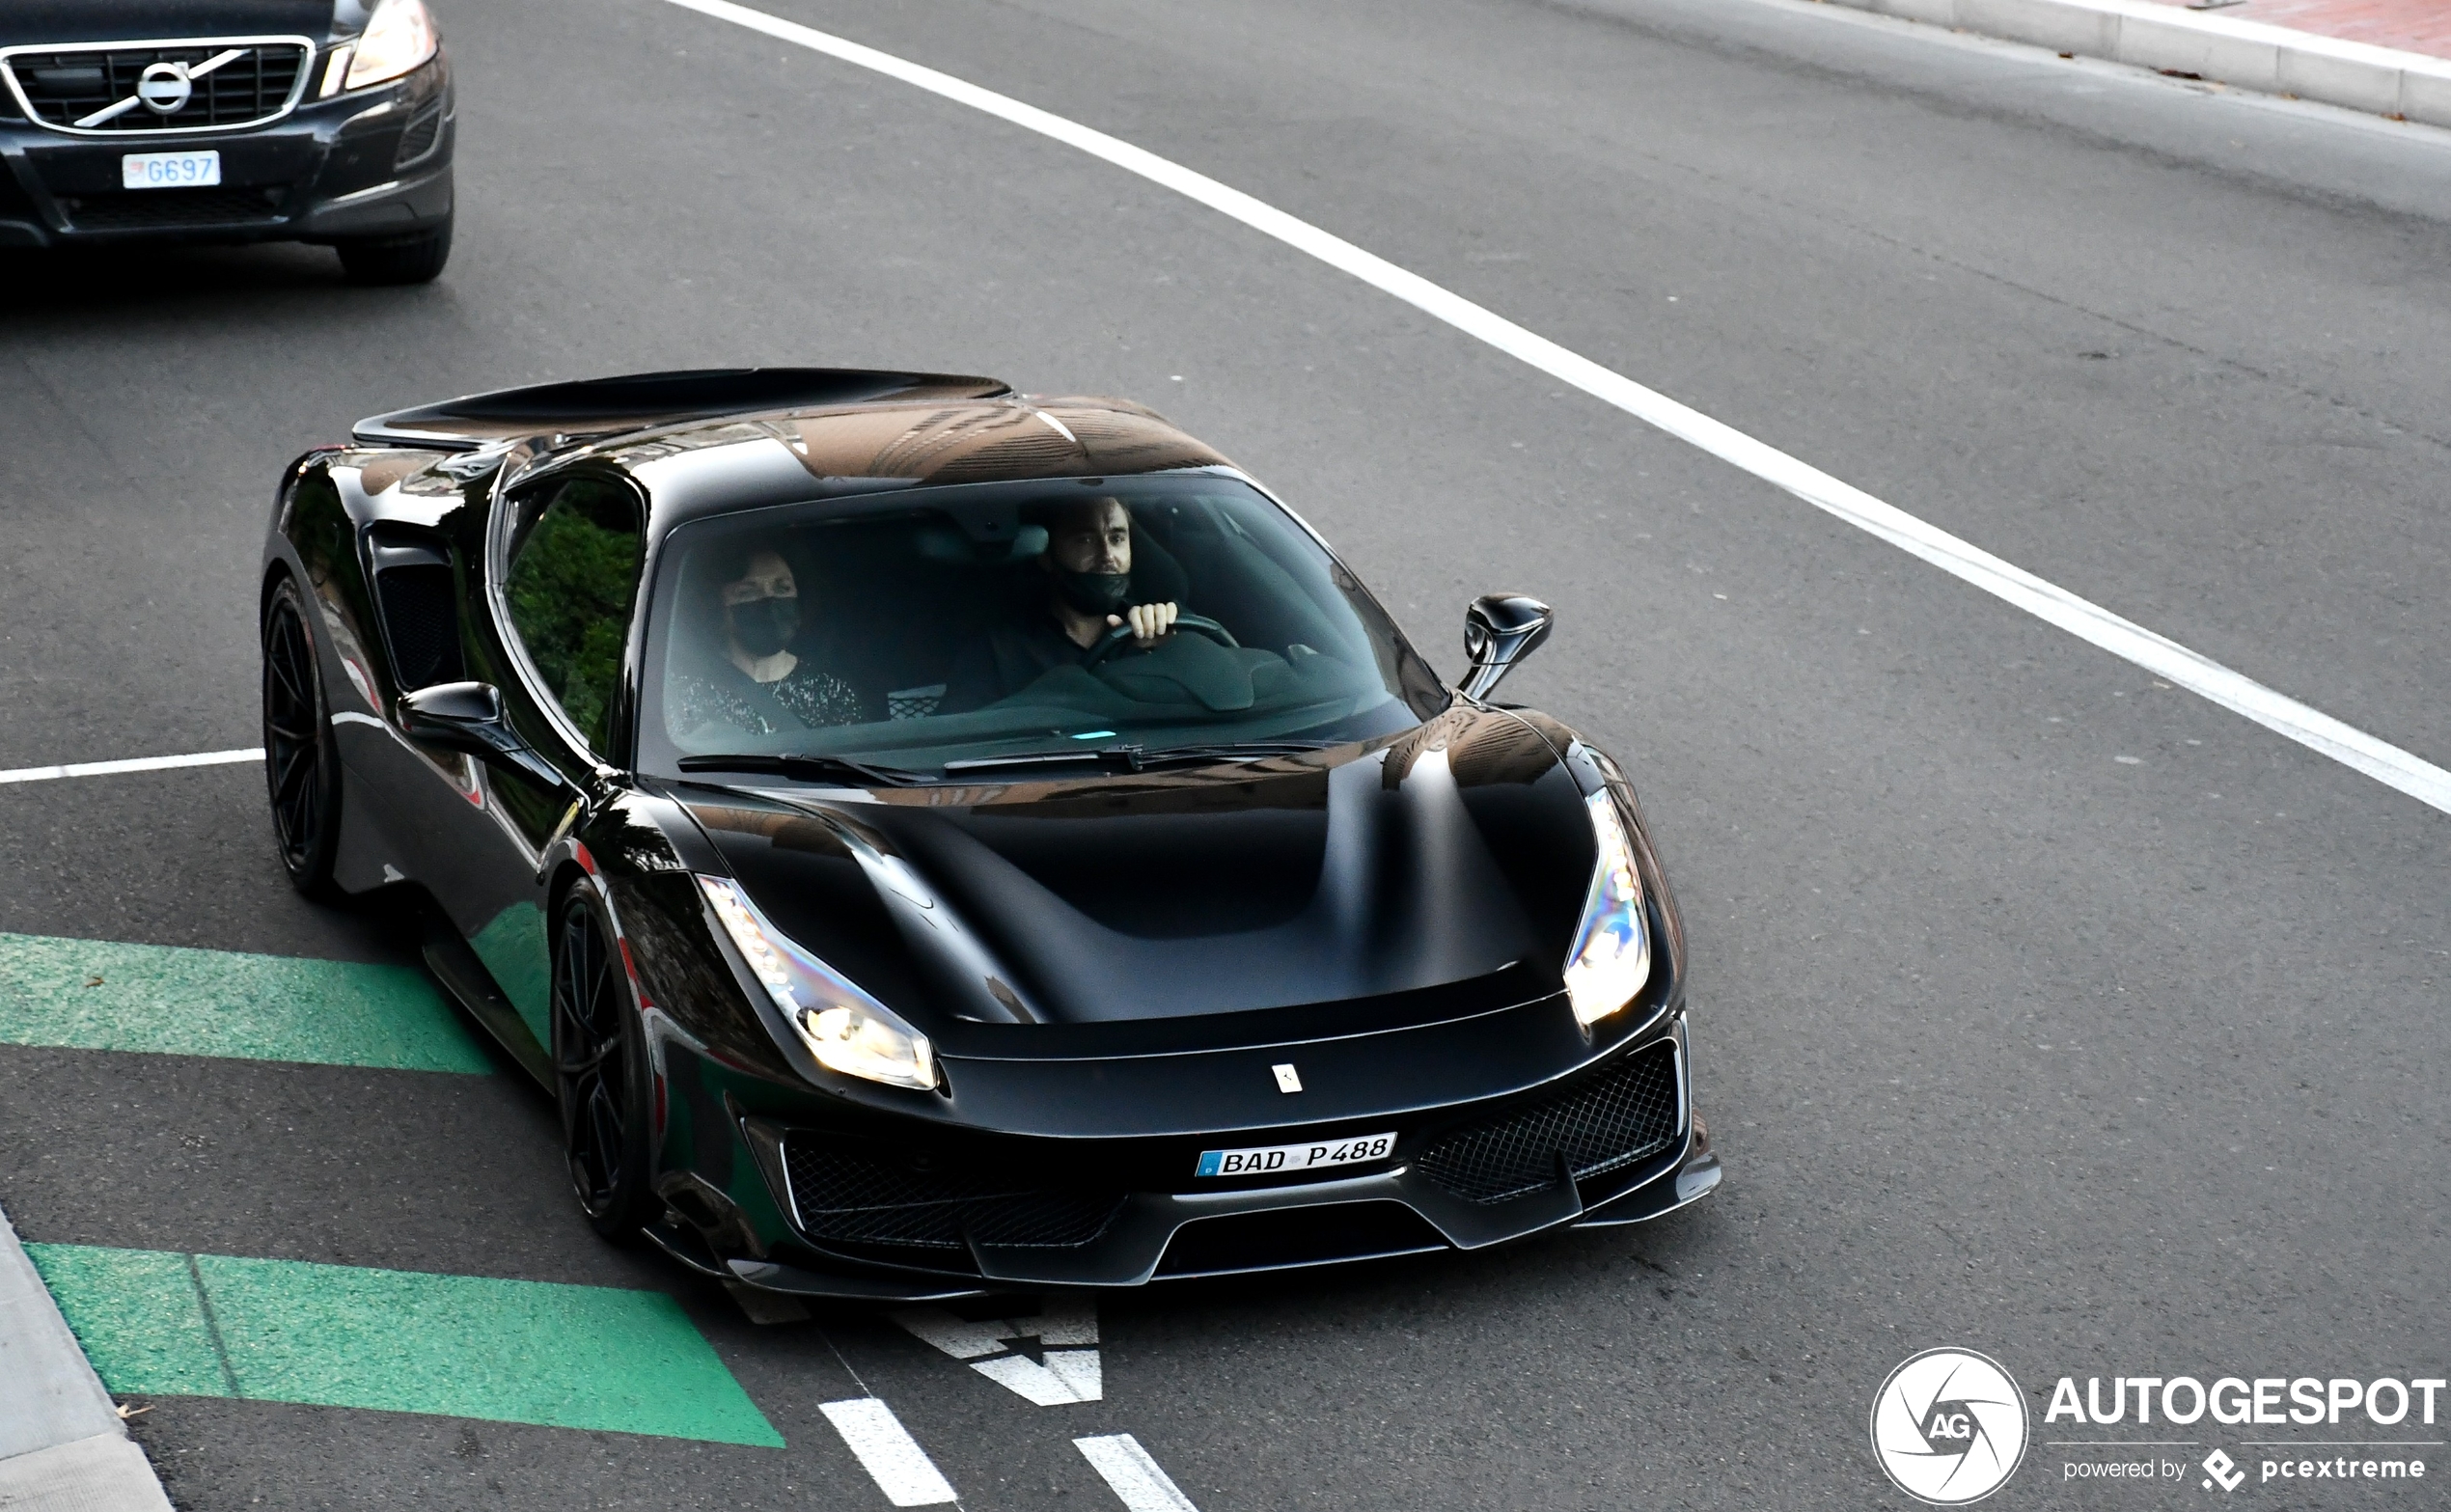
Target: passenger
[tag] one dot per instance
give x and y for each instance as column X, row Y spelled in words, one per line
column 759, row 684
column 1088, row 563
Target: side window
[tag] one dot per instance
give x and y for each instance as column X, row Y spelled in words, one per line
column 574, row 577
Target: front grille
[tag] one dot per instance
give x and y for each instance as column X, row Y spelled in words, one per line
column 65, row 87
column 1297, row 1236
column 851, row 1193
column 1598, row 1125
column 146, row 210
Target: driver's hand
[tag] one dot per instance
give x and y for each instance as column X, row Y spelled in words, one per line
column 1148, row 621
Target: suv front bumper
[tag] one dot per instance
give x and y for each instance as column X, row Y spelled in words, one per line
column 375, row 164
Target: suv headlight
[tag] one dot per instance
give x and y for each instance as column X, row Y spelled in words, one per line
column 846, row 1029
column 398, row 37
column 1612, row 955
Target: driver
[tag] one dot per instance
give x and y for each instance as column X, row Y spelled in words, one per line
column 761, row 684
column 1089, row 567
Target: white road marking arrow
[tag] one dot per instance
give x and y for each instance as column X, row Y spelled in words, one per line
column 1068, row 1336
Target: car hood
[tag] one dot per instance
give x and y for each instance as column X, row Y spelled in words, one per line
column 68, row 21
column 1440, row 873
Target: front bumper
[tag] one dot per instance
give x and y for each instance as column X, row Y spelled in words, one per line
column 374, row 164
column 1425, row 1199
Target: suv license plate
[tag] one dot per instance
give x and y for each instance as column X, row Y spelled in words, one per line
column 169, row 170
column 1272, row 1160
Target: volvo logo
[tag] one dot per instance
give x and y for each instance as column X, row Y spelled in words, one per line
column 164, row 87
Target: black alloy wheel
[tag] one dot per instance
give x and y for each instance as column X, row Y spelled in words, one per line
column 599, row 1065
column 301, row 767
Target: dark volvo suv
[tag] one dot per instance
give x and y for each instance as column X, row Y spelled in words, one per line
column 323, row 120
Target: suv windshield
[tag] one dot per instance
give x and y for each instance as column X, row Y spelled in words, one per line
column 974, row 623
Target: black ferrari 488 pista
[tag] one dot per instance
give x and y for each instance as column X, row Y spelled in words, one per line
column 932, row 841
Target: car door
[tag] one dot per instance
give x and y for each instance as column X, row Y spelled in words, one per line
column 554, row 608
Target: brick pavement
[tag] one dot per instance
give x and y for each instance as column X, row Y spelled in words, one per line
column 2415, row 25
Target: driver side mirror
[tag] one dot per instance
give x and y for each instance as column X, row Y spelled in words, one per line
column 458, row 716
column 1500, row 631
column 467, row 717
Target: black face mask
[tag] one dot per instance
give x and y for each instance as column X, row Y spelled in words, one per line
column 764, row 626
column 1093, row 592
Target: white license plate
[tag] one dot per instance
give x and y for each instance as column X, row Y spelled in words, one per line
column 169, row 170
column 1270, row 1160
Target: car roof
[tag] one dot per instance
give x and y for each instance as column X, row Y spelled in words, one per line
column 713, row 440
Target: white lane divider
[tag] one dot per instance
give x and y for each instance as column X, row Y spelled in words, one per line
column 44, row 774
column 891, row 1457
column 1068, row 1336
column 2088, row 621
column 1136, row 1479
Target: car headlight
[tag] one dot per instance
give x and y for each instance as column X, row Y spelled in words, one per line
column 846, row 1029
column 1612, row 955
column 399, row 36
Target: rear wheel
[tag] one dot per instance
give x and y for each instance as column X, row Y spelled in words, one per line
column 599, row 1063
column 301, row 767
column 397, row 259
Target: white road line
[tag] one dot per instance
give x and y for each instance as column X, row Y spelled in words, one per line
column 44, row 774
column 894, row 1459
column 2088, row 621
column 1136, row 1479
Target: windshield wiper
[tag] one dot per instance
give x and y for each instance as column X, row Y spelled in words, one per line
column 1110, row 756
column 1140, row 758
column 808, row 769
column 1225, row 751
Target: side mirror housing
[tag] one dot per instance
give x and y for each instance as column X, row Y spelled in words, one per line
column 1500, row 631
column 467, row 717
column 458, row 716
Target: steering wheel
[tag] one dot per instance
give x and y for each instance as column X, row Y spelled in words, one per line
column 1114, row 640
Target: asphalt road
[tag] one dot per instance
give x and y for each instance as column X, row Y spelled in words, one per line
column 2038, row 1008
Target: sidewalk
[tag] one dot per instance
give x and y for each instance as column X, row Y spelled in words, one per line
column 2410, row 25
column 61, row 1445
column 2391, row 58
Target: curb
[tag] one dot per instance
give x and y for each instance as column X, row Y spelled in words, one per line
column 2246, row 54
column 63, row 1447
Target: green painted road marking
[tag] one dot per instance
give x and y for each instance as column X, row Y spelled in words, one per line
column 159, row 1324
column 135, row 1312
column 101, row 995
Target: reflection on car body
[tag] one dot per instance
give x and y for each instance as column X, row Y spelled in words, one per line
column 866, row 956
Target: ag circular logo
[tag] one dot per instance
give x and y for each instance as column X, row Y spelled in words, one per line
column 1949, row 1427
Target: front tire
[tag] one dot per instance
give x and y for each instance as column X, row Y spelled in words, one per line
column 301, row 762
column 599, row 1063
column 397, row 259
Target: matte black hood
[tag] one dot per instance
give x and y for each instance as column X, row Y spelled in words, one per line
column 24, row 21
column 1458, row 853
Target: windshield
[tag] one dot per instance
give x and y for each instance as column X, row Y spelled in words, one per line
column 995, row 621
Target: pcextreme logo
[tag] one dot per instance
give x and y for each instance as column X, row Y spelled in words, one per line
column 1948, row 1426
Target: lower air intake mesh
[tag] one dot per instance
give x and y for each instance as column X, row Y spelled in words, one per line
column 145, row 210
column 1598, row 1124
column 855, row 1194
